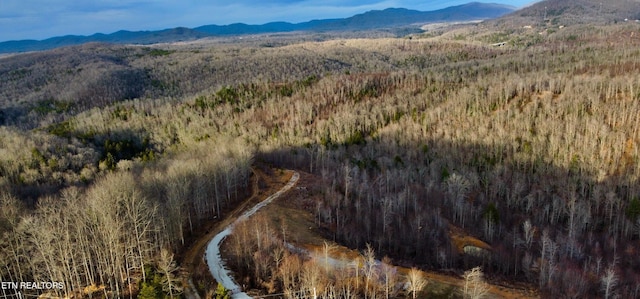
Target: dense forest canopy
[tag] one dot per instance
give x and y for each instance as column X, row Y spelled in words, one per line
column 111, row 155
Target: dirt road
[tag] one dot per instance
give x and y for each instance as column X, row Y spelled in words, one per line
column 265, row 182
column 214, row 259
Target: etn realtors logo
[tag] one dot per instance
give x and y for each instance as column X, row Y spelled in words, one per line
column 31, row 285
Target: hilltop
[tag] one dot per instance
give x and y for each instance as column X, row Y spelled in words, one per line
column 565, row 12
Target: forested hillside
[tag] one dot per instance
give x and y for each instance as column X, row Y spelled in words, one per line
column 531, row 148
column 561, row 12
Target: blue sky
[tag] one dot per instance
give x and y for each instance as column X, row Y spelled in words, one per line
column 39, row 19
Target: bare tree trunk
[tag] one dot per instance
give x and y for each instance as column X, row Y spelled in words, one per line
column 415, row 282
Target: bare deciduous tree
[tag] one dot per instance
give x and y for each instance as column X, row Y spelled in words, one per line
column 474, row 285
column 415, row 282
column 389, row 275
column 167, row 267
column 609, row 282
column 370, row 272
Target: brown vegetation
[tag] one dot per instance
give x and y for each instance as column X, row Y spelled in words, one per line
column 531, row 148
column 295, row 232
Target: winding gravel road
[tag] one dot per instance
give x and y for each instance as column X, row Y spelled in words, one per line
column 212, row 253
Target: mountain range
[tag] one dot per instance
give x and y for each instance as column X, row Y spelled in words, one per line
column 572, row 12
column 372, row 20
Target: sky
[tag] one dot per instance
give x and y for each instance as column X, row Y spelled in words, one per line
column 40, row 19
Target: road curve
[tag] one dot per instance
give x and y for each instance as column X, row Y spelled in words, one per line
column 212, row 253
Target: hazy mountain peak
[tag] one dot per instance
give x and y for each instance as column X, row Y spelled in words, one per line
column 371, row 20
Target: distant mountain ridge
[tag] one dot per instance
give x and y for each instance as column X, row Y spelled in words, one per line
column 376, row 19
column 569, row 12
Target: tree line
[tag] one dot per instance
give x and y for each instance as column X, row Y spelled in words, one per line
column 532, row 150
column 106, row 239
